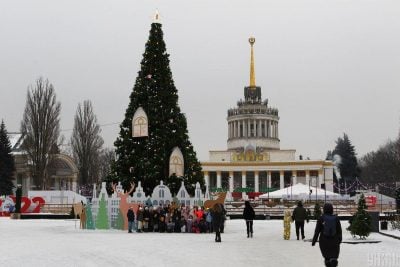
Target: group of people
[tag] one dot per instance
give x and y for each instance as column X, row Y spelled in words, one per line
column 328, row 231
column 174, row 219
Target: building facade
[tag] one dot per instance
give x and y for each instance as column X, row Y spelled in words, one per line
column 253, row 161
column 61, row 170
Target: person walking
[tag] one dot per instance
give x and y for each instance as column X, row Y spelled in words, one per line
column 131, row 219
column 217, row 220
column 249, row 215
column 329, row 231
column 299, row 216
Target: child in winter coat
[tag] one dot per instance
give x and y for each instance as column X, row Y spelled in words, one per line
column 287, row 220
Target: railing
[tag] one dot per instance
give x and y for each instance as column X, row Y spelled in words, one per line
column 56, row 208
column 341, row 207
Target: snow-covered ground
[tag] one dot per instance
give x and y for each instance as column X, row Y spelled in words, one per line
column 59, row 243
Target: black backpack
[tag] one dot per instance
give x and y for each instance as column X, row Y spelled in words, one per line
column 329, row 223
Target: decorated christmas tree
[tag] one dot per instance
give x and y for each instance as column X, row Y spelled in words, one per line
column 102, row 215
column 146, row 157
column 7, row 166
column 89, row 217
column 360, row 223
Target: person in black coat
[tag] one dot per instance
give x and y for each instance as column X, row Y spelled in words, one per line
column 249, row 215
column 131, row 219
column 217, row 220
column 329, row 231
column 299, row 216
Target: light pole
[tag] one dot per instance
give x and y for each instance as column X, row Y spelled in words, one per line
column 291, row 187
column 324, row 185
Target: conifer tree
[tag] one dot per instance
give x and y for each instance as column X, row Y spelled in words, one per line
column 7, row 165
column 146, row 159
column 360, row 224
column 102, row 214
column 317, row 211
column 398, row 200
column 348, row 165
column 89, row 217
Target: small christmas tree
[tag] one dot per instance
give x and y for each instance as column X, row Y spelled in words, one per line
column 102, row 215
column 120, row 221
column 89, row 217
column 317, row 211
column 360, row 223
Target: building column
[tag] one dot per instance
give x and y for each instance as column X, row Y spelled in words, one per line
column 294, row 177
column 243, row 183
column 255, row 128
column 270, row 128
column 248, row 128
column 265, row 128
column 307, row 177
column 256, row 182
column 277, row 130
column 74, row 186
column 218, row 179
column 320, row 178
column 269, row 179
column 281, row 180
column 207, row 180
column 231, row 181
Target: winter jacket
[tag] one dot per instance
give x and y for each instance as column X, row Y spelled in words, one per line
column 329, row 246
column 300, row 214
column 130, row 215
column 248, row 213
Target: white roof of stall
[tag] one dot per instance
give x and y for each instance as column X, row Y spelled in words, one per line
column 300, row 191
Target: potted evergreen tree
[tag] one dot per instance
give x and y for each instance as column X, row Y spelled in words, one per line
column 361, row 222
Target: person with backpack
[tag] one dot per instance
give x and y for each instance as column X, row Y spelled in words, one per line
column 249, row 215
column 329, row 231
column 299, row 216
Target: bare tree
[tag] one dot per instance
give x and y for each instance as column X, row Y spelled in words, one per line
column 107, row 157
column 86, row 143
column 41, row 128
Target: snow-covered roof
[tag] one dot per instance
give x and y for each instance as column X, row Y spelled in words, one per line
column 15, row 140
column 297, row 190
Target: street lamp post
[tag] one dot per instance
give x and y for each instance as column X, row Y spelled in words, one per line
column 291, row 187
column 324, row 185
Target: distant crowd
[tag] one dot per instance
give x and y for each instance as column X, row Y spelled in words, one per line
column 172, row 219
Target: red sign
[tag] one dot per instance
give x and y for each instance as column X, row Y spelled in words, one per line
column 28, row 205
column 370, row 201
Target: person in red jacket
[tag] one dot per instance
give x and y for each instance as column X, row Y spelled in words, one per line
column 199, row 214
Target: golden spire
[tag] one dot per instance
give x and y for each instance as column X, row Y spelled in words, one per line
column 156, row 18
column 252, row 40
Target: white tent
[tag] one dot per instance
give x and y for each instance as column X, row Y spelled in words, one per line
column 302, row 192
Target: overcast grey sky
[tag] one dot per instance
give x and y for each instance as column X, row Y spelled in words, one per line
column 328, row 66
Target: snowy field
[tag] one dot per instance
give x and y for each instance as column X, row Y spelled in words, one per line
column 60, row 243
